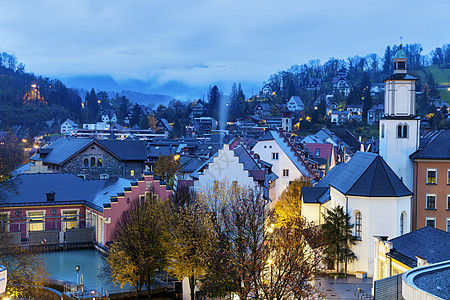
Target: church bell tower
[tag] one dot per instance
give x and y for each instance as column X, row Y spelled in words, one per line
column 399, row 129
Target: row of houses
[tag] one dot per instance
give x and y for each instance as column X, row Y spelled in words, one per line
column 388, row 195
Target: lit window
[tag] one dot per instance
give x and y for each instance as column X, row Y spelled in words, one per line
column 317, row 151
column 35, row 221
column 358, row 226
column 92, row 161
column 431, row 176
column 131, row 172
column 69, row 219
column 285, row 172
column 431, row 201
column 104, row 176
column 86, row 162
column 99, row 162
column 431, row 222
column 274, row 155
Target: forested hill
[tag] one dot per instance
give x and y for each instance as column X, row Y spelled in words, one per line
column 28, row 101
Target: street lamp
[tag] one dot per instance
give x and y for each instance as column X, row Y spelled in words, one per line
column 77, row 268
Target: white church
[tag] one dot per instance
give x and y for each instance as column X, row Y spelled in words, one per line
column 375, row 190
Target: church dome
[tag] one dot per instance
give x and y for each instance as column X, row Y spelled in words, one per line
column 401, row 53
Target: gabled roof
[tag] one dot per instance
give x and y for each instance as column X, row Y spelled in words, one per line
column 126, row 149
column 297, row 100
column 63, row 149
column 367, row 175
column 164, row 123
column 264, row 106
column 377, row 107
column 314, row 194
column 437, row 148
column 72, row 123
column 325, row 150
column 427, row 243
column 60, row 150
column 289, row 150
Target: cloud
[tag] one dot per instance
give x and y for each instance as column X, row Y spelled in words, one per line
column 201, row 41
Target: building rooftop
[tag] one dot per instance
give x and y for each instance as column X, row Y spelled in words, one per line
column 366, row 174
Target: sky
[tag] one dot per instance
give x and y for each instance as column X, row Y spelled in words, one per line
column 202, row 42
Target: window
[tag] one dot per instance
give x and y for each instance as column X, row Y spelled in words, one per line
column 448, row 176
column 69, row 220
column 431, row 201
column 86, row 162
column 448, row 202
column 382, row 131
column 131, row 172
column 358, row 225
column 35, row 221
column 317, row 151
column 402, row 131
column 4, row 223
column 141, row 200
column 448, row 225
column 274, row 155
column 104, row 176
column 92, row 161
column 431, row 176
column 401, row 223
column 431, row 222
column 99, row 163
column 285, row 172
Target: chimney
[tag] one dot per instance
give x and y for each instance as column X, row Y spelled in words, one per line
column 51, row 196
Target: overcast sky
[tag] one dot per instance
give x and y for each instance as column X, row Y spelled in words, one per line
column 201, row 42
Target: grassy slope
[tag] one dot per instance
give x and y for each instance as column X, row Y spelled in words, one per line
column 441, row 77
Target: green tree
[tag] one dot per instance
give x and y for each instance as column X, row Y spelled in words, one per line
column 25, row 268
column 137, row 252
column 11, row 155
column 189, row 237
column 288, row 208
column 214, row 102
column 337, row 231
column 166, row 167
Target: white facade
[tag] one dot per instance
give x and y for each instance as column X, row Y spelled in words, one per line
column 68, row 126
column 225, row 166
column 399, row 131
column 400, row 97
column 396, row 148
column 295, row 103
column 282, row 165
column 380, row 217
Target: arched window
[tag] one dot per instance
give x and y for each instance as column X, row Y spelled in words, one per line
column 399, row 131
column 86, row 162
column 358, row 225
column 401, row 223
column 100, row 163
column 92, row 161
column 402, row 131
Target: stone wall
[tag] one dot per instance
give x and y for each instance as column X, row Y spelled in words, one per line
column 110, row 164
